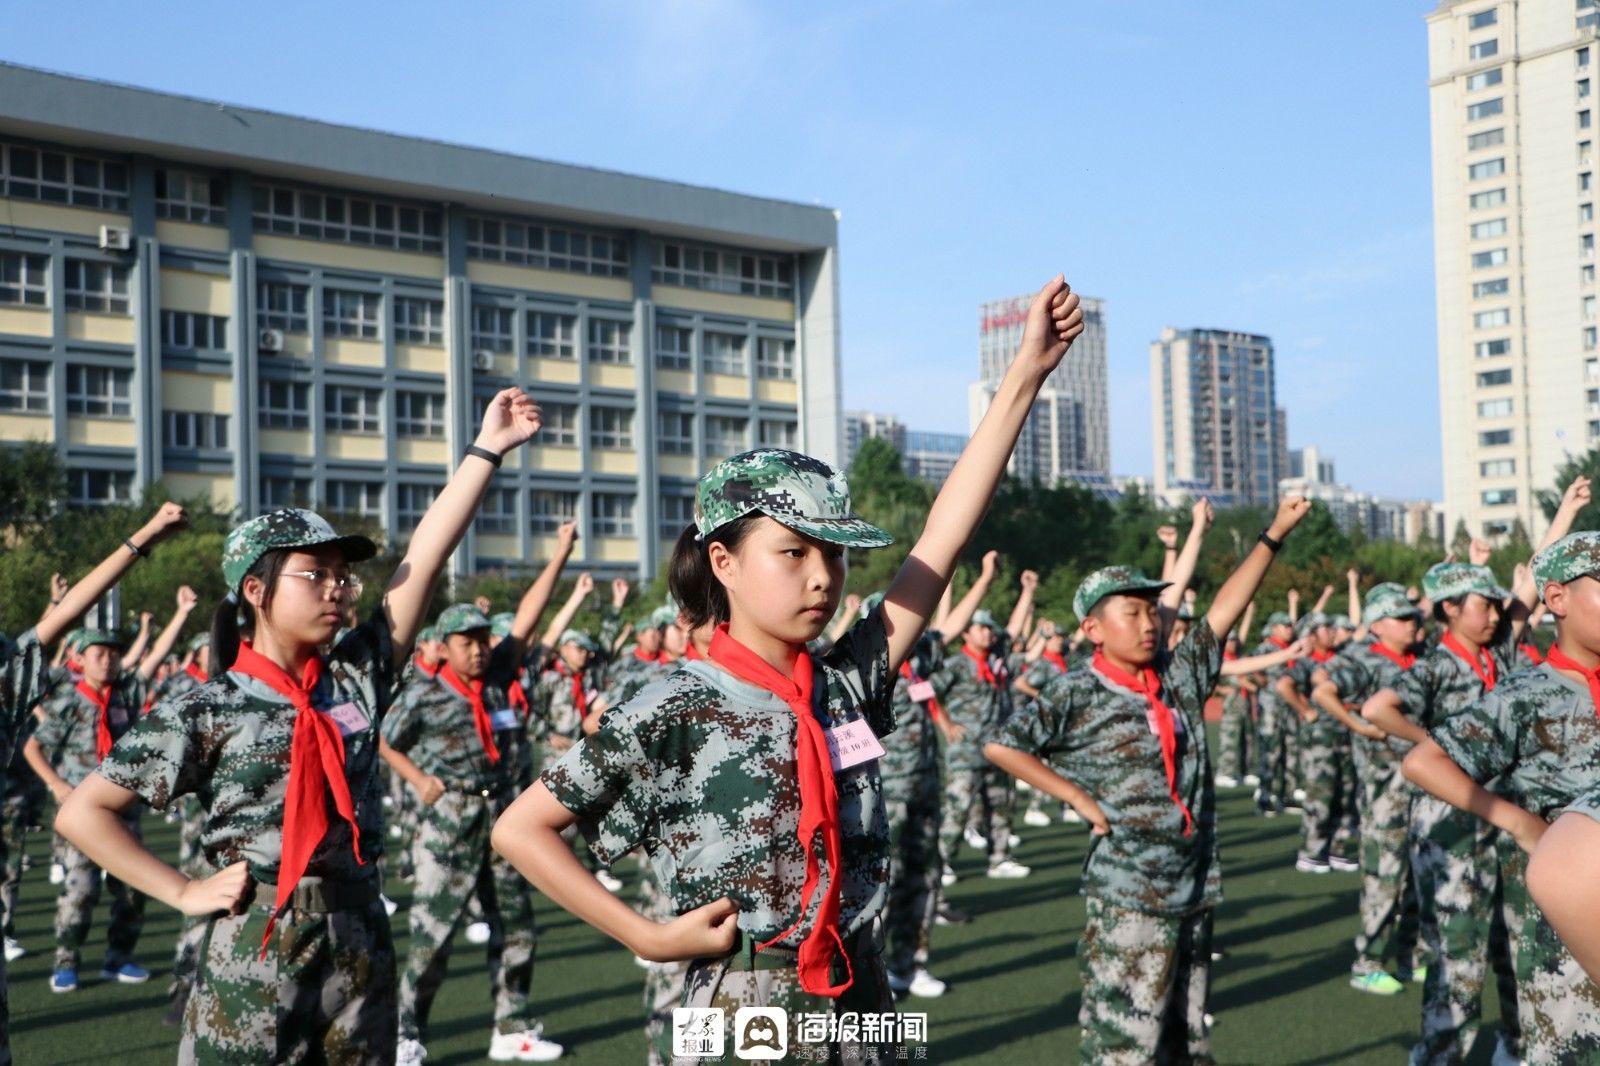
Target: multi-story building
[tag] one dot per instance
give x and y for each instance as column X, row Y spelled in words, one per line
column 1218, row 429
column 1511, row 91
column 860, row 426
column 931, row 456
column 1069, row 430
column 260, row 308
column 1312, row 475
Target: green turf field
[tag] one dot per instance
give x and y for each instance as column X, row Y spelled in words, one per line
column 1279, row 995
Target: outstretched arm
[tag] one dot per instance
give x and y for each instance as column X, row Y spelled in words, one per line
column 1182, row 572
column 169, row 634
column 1254, row 664
column 558, row 625
column 135, row 652
column 960, row 616
column 80, row 597
column 1237, row 591
column 1017, row 623
column 537, row 598
column 1428, row 767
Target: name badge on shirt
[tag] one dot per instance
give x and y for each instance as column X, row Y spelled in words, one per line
column 852, row 744
column 1155, row 727
column 117, row 715
column 921, row 692
column 591, row 695
column 502, row 720
column 349, row 718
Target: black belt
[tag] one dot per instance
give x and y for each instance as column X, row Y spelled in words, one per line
column 314, row 895
column 468, row 788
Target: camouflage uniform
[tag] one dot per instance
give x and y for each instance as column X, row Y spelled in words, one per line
column 971, row 783
column 1328, row 817
column 191, row 859
column 67, row 736
column 700, row 769
column 23, row 681
column 910, row 772
column 1152, row 889
column 1235, row 743
column 1276, row 724
column 554, row 710
column 20, row 809
column 326, row 989
column 1036, row 674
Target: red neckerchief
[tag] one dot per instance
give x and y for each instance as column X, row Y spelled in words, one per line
column 422, row 664
column 985, row 674
column 1404, row 662
column 1148, row 685
column 1230, row 656
column 1055, row 659
column 692, row 652
column 1321, row 655
column 658, row 659
column 1532, row 652
column 198, row 674
column 936, row 711
column 580, row 698
column 101, row 699
column 316, row 770
column 517, row 693
column 1280, row 645
column 1562, row 661
column 472, row 692
column 819, row 807
column 1483, row 667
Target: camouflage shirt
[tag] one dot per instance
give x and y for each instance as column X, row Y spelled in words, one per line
column 913, row 747
column 71, row 726
column 971, row 703
column 432, row 725
column 554, row 710
column 699, row 768
column 1360, row 673
column 1098, row 735
column 629, row 673
column 174, row 685
column 228, row 743
column 1539, row 729
column 23, row 680
column 1442, row 684
column 1271, row 674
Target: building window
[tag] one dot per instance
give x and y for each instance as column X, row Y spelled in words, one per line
column 1497, row 287
column 550, row 247
column 194, row 429
column 1586, row 245
column 279, row 492
column 1490, row 349
column 560, row 425
column 491, row 328
column 285, row 405
column 1583, row 88
column 611, row 514
column 695, row 266
column 723, row 353
column 1486, row 109
column 189, row 196
column 419, row 414
column 346, row 313
column 611, row 428
column 779, row 433
column 98, row 488
column 1493, row 227
column 1490, row 198
column 1586, row 274
column 418, row 320
column 24, row 386
column 1494, row 437
column 1479, row 19
column 1500, row 316
column 1492, row 258
column 95, row 286
column 1498, row 468
column 1497, row 497
column 1489, row 168
column 1586, row 181
column 1494, row 408
column 1484, row 79
column 498, row 512
column 192, row 331
column 1486, row 139
column 1585, row 119
column 1585, row 213
column 281, row 305
column 1591, row 338
column 62, row 178
column 552, row 335
column 351, row 219
column 775, row 358
column 351, row 409
column 361, row 499
column 1583, row 57
column 610, row 341
column 726, row 435
column 1494, row 377
column 674, row 346
column 677, row 514
column 411, row 503
column 99, row 391
column 549, row 508
column 1484, row 49
column 24, row 279
column 675, row 432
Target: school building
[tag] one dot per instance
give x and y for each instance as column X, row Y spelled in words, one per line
column 266, row 309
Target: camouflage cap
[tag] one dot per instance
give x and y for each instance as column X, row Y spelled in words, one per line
column 1387, row 600
column 428, row 635
column 500, row 624
column 1278, row 618
column 73, row 637
column 982, row 617
column 1111, row 581
column 287, row 527
column 201, row 641
column 88, row 638
column 1568, row 559
column 1311, row 620
column 580, row 638
column 870, row 602
column 460, row 618
column 1185, row 613
column 664, row 616
column 1452, row 581
column 646, row 621
column 803, row 493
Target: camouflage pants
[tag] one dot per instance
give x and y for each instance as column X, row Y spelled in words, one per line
column 1328, row 819
column 1146, row 983
column 1463, row 919
column 325, row 993
column 76, row 901
column 451, row 855
column 726, row 984
column 402, row 815
column 1235, row 736
column 17, row 813
column 914, row 867
column 192, row 863
column 1277, row 758
column 663, row 982
column 1560, row 1006
column 984, row 794
column 1389, row 908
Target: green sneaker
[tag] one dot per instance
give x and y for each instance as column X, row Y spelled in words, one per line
column 1379, row 984
column 1416, row 975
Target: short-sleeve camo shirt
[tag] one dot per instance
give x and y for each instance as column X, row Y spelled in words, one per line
column 23, row 682
column 1442, row 684
column 71, row 726
column 432, row 725
column 972, row 703
column 913, row 747
column 1360, row 673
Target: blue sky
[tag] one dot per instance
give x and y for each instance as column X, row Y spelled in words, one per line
column 1260, row 166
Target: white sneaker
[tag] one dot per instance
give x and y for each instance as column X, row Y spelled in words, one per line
column 1071, row 817
column 975, row 839
column 642, row 962
column 1252, row 779
column 410, row 1053
column 1012, row 841
column 14, row 950
column 1023, row 786
column 58, row 873
column 394, row 832
column 948, row 877
column 1008, row 870
column 389, row 905
column 526, row 1046
column 478, row 933
column 1227, row 781
column 1311, row 866
column 1036, row 818
column 1299, row 795
column 1502, row 1054
column 612, row 883
column 921, row 984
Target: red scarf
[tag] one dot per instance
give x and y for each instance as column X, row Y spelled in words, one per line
column 1321, row 656
column 472, row 692
column 1404, row 662
column 1148, row 685
column 422, row 664
column 517, row 695
column 1056, row 660
column 819, row 807
column 692, row 652
column 1280, row 645
column 936, row 711
column 316, row 770
column 580, row 698
column 1481, row 664
column 659, row 658
column 1532, row 652
column 985, row 674
column 198, row 674
column 101, row 699
column 1562, row 661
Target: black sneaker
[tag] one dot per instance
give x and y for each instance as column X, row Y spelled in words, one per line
column 950, row 915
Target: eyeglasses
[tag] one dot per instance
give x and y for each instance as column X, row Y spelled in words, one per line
column 325, row 579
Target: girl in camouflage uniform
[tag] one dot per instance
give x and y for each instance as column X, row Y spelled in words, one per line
column 298, row 963
column 750, row 776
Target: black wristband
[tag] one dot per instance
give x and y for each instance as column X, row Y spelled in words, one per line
column 1274, row 545
column 134, row 548
column 483, row 453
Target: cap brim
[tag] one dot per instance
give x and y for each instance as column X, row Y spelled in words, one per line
column 848, row 532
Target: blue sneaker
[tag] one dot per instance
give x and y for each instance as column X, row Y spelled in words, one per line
column 127, row 973
column 64, row 981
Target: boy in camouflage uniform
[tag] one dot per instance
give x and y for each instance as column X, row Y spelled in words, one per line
column 1275, row 722
column 1124, row 743
column 1328, row 818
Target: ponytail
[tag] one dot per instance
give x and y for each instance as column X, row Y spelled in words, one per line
column 234, row 619
column 698, row 593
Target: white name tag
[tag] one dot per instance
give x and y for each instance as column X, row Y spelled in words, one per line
column 920, row 692
column 1155, row 727
column 501, row 720
column 349, row 718
column 852, row 744
column 590, row 696
column 118, row 716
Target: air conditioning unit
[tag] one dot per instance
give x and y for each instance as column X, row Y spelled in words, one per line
column 270, row 340
column 483, row 360
column 115, row 239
